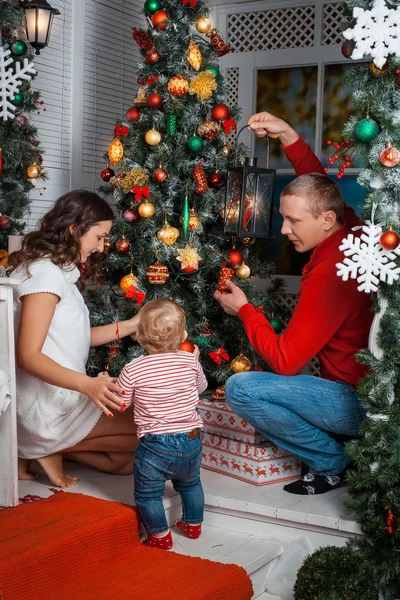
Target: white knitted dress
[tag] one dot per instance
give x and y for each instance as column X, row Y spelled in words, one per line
column 50, row 418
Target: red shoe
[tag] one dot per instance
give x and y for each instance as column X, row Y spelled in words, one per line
column 191, row 531
column 164, row 543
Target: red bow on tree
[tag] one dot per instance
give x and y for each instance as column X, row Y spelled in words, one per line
column 124, row 130
column 141, row 191
column 229, row 124
column 192, row 3
column 133, row 293
column 217, row 356
column 152, row 79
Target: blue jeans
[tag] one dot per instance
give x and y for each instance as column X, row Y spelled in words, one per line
column 296, row 413
column 163, row 457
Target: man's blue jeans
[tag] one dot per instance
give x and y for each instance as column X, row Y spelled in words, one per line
column 163, row 457
column 296, row 413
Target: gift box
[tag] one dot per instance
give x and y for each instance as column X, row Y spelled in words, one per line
column 219, row 419
column 259, row 464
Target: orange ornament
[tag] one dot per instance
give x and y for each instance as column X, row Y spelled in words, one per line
column 187, row 346
column 389, row 240
column 178, row 86
column 160, row 19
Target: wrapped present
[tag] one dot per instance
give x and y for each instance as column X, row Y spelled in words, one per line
column 259, row 464
column 219, row 419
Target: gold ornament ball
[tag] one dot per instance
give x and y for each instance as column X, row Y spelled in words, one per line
column 146, row 210
column 153, row 137
column 226, row 151
column 243, row 272
column 168, row 234
column 34, row 171
column 240, row 364
column 248, row 241
column 203, row 25
column 379, row 72
column 126, row 282
column 157, row 274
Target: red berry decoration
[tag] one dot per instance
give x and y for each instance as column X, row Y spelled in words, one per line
column 160, row 19
column 160, row 175
column 187, row 346
column 235, row 258
column 220, row 112
column 154, row 100
column 216, row 180
column 131, row 216
column 152, row 56
column 122, row 246
column 389, row 240
column 107, row 173
column 132, row 114
column 5, row 222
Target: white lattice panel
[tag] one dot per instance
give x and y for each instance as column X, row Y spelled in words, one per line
column 331, row 33
column 276, row 29
column 232, row 96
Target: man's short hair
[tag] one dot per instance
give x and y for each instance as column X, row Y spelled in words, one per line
column 161, row 326
column 319, row 192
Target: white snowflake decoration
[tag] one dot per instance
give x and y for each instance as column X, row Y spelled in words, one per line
column 10, row 81
column 369, row 262
column 376, row 33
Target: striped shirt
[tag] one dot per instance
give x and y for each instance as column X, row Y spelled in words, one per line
column 164, row 390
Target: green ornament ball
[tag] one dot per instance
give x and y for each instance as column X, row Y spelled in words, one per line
column 19, row 47
column 202, row 341
column 213, row 69
column 366, row 130
column 277, row 324
column 195, row 143
column 18, row 99
column 152, row 6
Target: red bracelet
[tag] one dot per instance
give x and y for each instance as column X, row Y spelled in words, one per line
column 117, row 331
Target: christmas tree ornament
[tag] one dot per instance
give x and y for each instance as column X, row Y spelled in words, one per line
column 194, row 221
column 127, row 281
column 22, row 120
column 219, row 394
column 113, row 350
column 203, row 25
column 131, row 216
column 116, row 179
column 185, row 217
column 366, row 130
column 171, row 124
column 141, row 97
column 11, row 80
column 347, row 48
column 216, row 180
column 375, row 33
column 208, row 129
column 226, row 151
column 160, row 175
column 18, row 99
column 142, row 39
column 391, row 524
column 152, row 6
column 243, row 271
column 154, row 100
column 189, row 258
column 34, row 171
column 107, row 173
column 152, row 56
column 137, row 177
column 39, row 159
column 195, row 144
column 277, row 324
column 168, row 234
column 187, row 346
column 214, row 69
column 132, row 114
column 141, row 192
column 5, row 222
column 204, row 339
column 160, row 19
column 115, row 151
column 122, row 246
column 203, row 85
column 178, row 86
column 229, row 124
column 194, row 56
column 376, row 71
column 146, row 209
column 18, row 47
column 200, row 178
column 248, row 241
column 153, row 137
column 132, row 292
column 225, row 274
column 3, row 262
column 235, row 258
column 220, row 112
column 218, row 43
column 217, row 356
column 240, row 364
column 121, row 130
column 157, row 274
column 107, row 245
column 389, row 157
column 389, row 240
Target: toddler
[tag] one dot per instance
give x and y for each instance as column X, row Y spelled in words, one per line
column 164, row 387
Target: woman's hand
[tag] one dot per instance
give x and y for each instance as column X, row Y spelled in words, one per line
column 264, row 124
column 132, row 324
column 101, row 390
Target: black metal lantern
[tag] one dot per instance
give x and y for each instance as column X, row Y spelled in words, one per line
column 249, row 200
column 38, row 22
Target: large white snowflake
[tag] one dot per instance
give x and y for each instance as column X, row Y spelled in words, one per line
column 10, row 81
column 369, row 262
column 376, row 33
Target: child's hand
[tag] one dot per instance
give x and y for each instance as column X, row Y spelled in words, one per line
column 196, row 352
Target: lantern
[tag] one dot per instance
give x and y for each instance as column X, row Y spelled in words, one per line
column 39, row 20
column 249, row 200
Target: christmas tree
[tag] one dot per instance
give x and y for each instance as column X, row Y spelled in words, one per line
column 20, row 153
column 167, row 176
column 370, row 566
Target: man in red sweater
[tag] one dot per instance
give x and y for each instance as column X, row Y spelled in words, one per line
column 332, row 320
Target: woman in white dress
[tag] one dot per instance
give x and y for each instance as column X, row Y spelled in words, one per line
column 61, row 410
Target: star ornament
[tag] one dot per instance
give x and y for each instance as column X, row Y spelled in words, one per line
column 189, row 257
column 376, row 33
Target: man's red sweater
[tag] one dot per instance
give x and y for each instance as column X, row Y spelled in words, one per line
column 332, row 318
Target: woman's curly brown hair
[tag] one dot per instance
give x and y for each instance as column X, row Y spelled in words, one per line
column 54, row 238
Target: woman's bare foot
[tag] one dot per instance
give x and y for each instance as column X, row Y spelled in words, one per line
column 23, row 470
column 53, row 467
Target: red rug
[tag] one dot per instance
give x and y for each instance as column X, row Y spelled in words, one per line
column 75, row 546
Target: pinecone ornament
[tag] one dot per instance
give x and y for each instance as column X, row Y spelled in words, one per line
column 142, row 39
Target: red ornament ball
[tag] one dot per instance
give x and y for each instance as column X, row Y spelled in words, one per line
column 216, row 180
column 131, row 216
column 220, row 112
column 187, row 346
column 160, row 175
column 106, row 174
column 389, row 240
column 5, row 222
column 39, row 159
column 154, row 100
column 122, row 246
column 152, row 56
column 390, row 157
column 235, row 258
column 189, row 269
column 160, row 19
column 132, row 114
column 347, row 48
